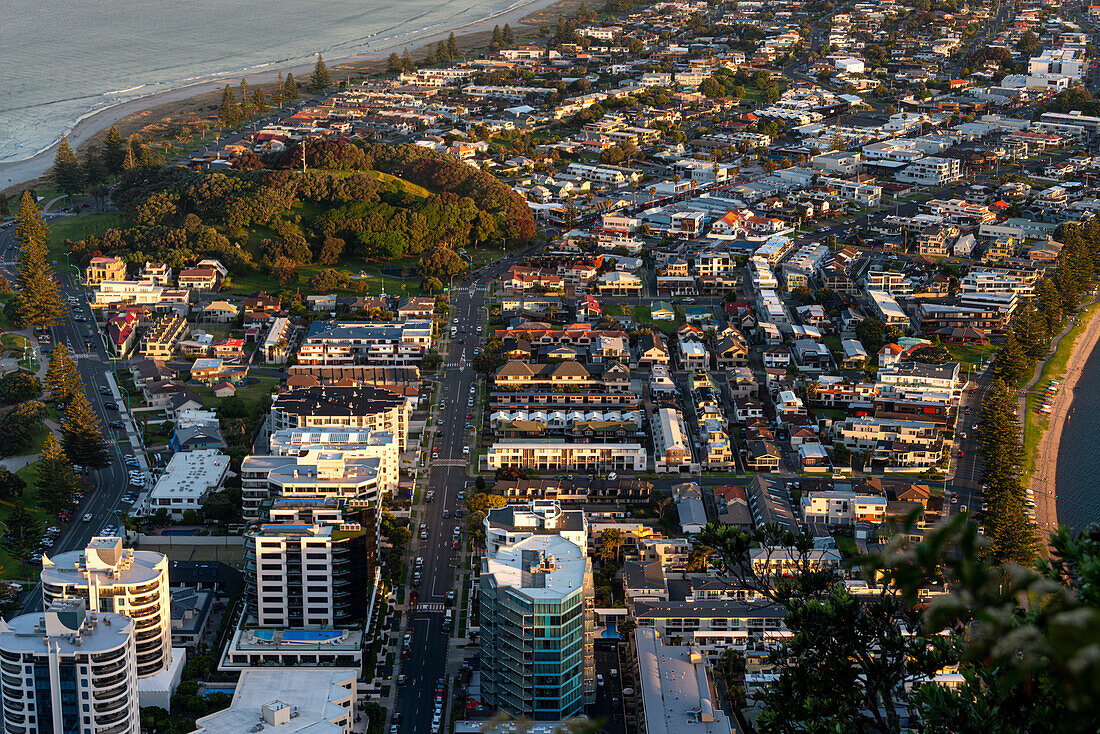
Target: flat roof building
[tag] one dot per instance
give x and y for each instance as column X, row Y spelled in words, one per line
column 676, row 691
column 188, row 481
column 287, row 701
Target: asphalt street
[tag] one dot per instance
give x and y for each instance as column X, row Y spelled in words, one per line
column 104, row 501
column 428, row 650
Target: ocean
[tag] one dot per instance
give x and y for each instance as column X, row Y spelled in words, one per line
column 64, row 60
column 1079, row 453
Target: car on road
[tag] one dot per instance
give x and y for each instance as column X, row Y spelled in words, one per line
column 962, row 509
column 450, row 596
column 446, row 514
column 87, row 517
column 111, row 406
column 456, row 545
column 599, row 680
column 458, row 514
column 402, row 679
column 104, row 390
column 117, row 425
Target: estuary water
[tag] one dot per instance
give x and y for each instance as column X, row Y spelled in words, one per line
column 61, row 61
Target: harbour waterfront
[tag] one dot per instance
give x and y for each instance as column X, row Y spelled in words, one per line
column 123, row 52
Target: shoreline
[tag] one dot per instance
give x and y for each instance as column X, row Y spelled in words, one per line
column 1044, row 480
column 27, row 170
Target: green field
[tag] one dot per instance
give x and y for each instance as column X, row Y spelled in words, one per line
column 250, row 394
column 78, row 227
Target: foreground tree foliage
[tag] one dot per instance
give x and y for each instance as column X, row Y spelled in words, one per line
column 864, row 663
column 22, row 534
column 56, row 481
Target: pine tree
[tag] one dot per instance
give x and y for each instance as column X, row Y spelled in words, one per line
column 244, row 93
column 95, row 170
column 1007, row 525
column 321, row 79
column 290, row 89
column 39, row 301
column 452, row 47
column 56, row 480
column 228, row 112
column 130, row 162
column 498, row 39
column 507, row 36
column 440, row 53
column 1011, row 364
column 259, row 100
column 393, row 64
column 83, row 434
column 67, row 173
column 278, row 93
column 114, row 151
column 31, row 232
column 23, row 534
column 62, row 376
column 407, row 62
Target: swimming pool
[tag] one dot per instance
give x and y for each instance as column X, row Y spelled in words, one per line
column 264, row 635
column 311, row 636
column 214, row 689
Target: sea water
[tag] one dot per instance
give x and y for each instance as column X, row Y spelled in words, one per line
column 1079, row 451
column 63, row 60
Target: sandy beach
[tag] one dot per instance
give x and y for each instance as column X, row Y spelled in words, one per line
column 15, row 173
column 1046, row 462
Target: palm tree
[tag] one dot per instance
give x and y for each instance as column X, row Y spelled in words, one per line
column 611, row 542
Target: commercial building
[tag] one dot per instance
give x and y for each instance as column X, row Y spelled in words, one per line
column 359, row 406
column 187, row 482
column 110, row 578
column 327, row 473
column 69, row 670
column 838, row 507
column 288, row 701
column 676, row 692
column 535, row 629
column 362, row 342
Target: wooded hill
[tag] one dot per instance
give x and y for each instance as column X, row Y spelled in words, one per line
column 365, row 201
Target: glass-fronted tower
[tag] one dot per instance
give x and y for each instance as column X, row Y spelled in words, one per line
column 536, row 628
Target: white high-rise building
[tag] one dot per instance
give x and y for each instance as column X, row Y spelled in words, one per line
column 69, row 670
column 124, row 581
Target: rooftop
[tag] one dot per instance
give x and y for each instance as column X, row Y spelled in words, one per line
column 676, row 692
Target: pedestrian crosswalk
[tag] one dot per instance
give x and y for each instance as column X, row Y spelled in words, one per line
column 448, row 462
column 429, row 608
column 84, row 355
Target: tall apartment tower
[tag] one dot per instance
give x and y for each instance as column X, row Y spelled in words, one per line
column 536, row 628
column 69, row 671
column 310, row 566
column 110, row 578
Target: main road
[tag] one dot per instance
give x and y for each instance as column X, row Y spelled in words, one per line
column 447, row 477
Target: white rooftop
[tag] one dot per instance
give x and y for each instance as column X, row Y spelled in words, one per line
column 312, row 696
column 539, row 567
column 676, row 692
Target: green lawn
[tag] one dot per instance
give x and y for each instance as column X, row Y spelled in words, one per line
column 642, row 315
column 251, row 394
column 970, row 357
column 11, row 569
column 78, row 227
